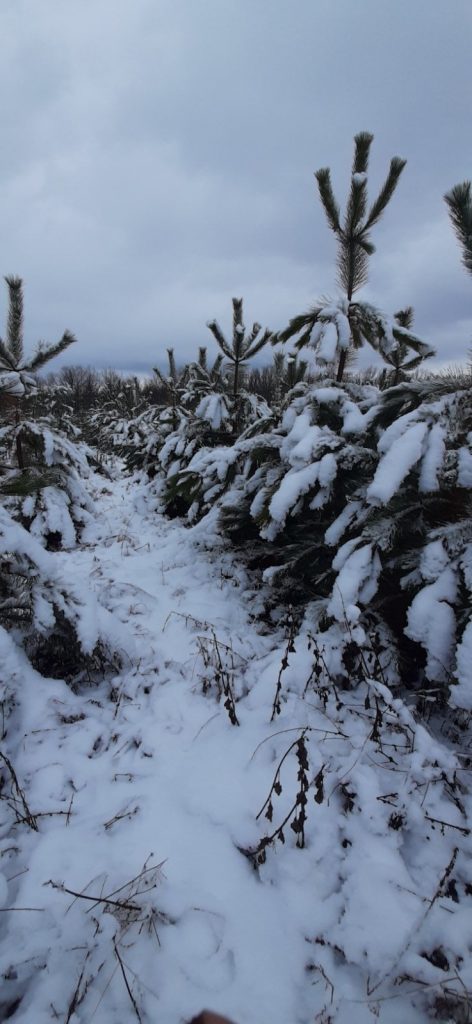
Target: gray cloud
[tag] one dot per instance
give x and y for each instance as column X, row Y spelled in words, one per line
column 157, row 158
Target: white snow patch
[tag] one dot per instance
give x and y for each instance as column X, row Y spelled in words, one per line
column 395, row 465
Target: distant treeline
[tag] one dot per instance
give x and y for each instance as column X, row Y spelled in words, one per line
column 89, row 388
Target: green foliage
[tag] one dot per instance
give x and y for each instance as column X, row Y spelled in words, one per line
column 244, row 345
column 56, row 621
column 307, row 497
column 14, row 339
column 46, row 494
column 28, row 481
column 402, row 359
column 354, row 244
column 333, row 328
column 459, row 202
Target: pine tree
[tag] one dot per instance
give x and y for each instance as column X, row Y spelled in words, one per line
column 44, row 492
column 401, row 359
column 64, row 629
column 17, row 369
column 174, row 383
column 202, row 362
column 333, row 328
column 288, row 371
column 48, row 495
column 243, row 345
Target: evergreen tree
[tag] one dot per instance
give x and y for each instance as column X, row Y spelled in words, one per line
column 44, row 492
column 15, row 369
column 333, row 328
column 288, row 372
column 243, row 345
column 48, row 495
column 174, row 383
column 401, row 359
column 357, row 504
column 64, row 629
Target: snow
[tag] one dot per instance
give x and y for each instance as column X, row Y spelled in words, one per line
column 328, row 344
column 339, row 526
column 326, row 395
column 359, row 178
column 54, row 517
column 358, row 570
column 434, row 558
column 317, row 334
column 396, row 430
column 431, row 622
column 344, row 330
column 294, row 484
column 464, row 459
column 298, row 430
column 461, row 694
column 395, row 465
column 145, row 793
column 331, row 330
column 433, row 459
column 214, row 409
column 303, row 450
column 11, row 383
column 355, row 421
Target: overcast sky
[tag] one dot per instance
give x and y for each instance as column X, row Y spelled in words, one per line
column 157, row 158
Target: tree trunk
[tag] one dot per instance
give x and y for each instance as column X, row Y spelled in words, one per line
column 341, row 365
column 236, row 378
column 19, row 454
column 343, row 356
column 19, row 447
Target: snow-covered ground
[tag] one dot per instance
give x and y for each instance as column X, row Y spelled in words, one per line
column 131, row 892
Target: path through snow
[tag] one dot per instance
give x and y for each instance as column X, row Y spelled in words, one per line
column 158, row 777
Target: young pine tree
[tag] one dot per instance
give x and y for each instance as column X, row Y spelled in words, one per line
column 15, row 368
column 174, row 384
column 402, row 359
column 243, row 345
column 335, row 328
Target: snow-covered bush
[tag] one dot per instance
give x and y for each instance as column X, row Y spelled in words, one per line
column 173, row 443
column 298, row 472
column 47, row 494
column 61, row 626
column 424, row 476
column 105, row 425
column 41, row 468
column 200, row 461
column 356, row 503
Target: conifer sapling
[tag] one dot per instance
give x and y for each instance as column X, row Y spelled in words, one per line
column 335, row 328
